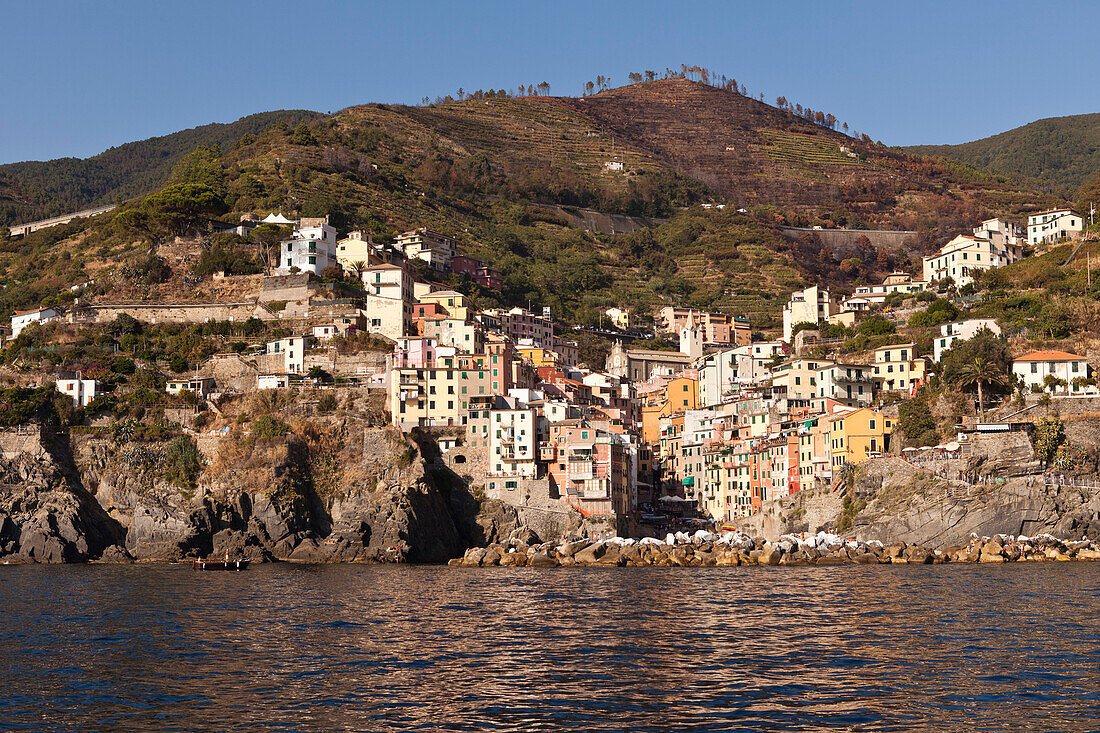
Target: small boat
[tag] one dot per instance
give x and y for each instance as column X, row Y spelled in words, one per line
column 226, row 564
column 219, row 565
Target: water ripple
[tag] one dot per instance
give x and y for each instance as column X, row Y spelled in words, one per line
column 522, row 649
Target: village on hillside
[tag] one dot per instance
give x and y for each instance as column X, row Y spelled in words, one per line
column 708, row 432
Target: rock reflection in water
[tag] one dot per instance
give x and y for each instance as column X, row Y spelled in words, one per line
column 383, row 648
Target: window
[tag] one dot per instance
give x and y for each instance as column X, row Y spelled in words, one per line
column 872, row 424
column 1034, row 367
column 312, row 260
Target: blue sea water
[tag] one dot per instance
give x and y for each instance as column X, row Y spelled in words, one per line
column 291, row 647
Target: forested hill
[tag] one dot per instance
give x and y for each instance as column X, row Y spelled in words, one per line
column 39, row 189
column 1064, row 150
column 506, row 174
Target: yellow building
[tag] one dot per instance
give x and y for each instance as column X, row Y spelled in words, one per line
column 539, row 357
column 857, row 435
column 678, row 395
column 353, row 249
column 621, row 318
column 453, row 302
column 797, row 378
column 898, row 367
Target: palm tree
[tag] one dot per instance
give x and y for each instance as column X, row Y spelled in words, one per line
column 359, row 267
column 980, row 371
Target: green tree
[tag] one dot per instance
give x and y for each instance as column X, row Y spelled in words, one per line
column 182, row 462
column 182, row 207
column 980, row 371
column 201, row 166
column 915, row 420
column 939, row 311
column 985, row 345
column 876, row 326
column 1047, row 438
column 302, row 135
column 1088, row 195
column 268, row 237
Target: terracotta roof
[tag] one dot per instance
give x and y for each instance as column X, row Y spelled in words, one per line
column 1050, row 356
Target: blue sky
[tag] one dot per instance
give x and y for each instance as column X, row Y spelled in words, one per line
column 81, row 76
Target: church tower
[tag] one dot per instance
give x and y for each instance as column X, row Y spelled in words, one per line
column 691, row 338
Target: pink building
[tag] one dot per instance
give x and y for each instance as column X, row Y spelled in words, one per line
column 588, row 467
column 416, row 352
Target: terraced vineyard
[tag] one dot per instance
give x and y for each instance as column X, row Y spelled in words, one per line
column 804, row 150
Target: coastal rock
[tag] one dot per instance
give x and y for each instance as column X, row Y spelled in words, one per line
column 590, row 554
column 915, row 555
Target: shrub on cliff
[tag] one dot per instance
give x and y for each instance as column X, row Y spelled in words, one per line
column 19, row 405
column 182, row 462
column 915, row 421
column 267, row 427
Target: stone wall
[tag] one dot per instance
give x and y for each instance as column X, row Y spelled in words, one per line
column 179, row 312
column 285, row 287
column 231, row 372
column 843, row 241
column 21, row 440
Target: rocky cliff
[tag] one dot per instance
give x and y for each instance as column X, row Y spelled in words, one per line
column 330, row 491
column 891, row 500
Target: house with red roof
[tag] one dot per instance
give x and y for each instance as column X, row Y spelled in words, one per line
column 1060, row 372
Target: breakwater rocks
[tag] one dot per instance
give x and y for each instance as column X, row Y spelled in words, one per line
column 733, row 548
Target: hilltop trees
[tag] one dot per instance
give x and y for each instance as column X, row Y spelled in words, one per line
column 268, row 237
column 1088, row 195
column 180, row 208
column 202, row 166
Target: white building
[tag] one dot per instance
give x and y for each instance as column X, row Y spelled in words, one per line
column 512, row 441
column 201, row 386
column 432, row 247
column 965, row 255
column 311, row 249
column 272, row 381
column 22, row 319
column 849, row 384
column 293, row 349
column 389, row 302
column 1051, row 226
column 1000, row 232
column 961, row 331
column 723, row 374
column 867, row 295
column 81, row 391
column 811, row 305
column 1033, row 369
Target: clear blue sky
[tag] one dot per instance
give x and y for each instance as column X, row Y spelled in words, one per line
column 77, row 77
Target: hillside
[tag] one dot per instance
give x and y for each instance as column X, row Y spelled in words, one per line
column 484, row 170
column 39, row 189
column 1064, row 150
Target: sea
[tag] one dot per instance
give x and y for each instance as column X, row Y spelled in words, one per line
column 385, row 648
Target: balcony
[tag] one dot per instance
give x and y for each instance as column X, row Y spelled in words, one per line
column 409, row 379
column 582, row 472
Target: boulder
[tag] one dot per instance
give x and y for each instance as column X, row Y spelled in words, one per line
column 681, row 556
column 915, row 555
column 590, row 554
column 473, row 557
